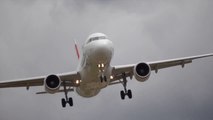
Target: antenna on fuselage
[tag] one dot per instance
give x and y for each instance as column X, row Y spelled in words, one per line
column 76, row 49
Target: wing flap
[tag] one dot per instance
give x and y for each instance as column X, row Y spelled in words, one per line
column 174, row 62
column 161, row 65
column 118, row 70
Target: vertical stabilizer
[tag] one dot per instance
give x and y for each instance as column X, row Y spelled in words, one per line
column 76, row 49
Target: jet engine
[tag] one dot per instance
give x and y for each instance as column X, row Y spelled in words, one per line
column 52, row 83
column 142, row 72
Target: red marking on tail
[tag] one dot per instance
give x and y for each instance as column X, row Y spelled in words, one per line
column 77, row 51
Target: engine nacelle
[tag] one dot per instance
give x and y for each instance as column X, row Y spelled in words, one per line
column 52, row 83
column 142, row 72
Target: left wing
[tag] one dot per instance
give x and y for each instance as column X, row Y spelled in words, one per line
column 69, row 78
column 155, row 66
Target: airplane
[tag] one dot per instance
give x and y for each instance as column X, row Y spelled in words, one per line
column 95, row 72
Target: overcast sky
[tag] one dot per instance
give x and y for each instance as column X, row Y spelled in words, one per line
column 36, row 38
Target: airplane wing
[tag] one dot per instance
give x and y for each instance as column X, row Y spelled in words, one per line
column 70, row 78
column 155, row 66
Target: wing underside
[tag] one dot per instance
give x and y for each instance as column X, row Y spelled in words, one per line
column 68, row 78
column 155, row 66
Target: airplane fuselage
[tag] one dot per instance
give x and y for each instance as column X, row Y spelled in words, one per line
column 94, row 63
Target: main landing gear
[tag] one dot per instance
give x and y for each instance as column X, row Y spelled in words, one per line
column 65, row 100
column 125, row 92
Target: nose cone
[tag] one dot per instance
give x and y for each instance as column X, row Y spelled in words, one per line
column 101, row 50
column 104, row 48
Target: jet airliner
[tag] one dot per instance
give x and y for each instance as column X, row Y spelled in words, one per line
column 95, row 72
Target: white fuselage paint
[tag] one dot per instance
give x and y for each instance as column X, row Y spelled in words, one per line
column 95, row 52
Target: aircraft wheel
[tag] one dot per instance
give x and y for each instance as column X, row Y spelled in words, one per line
column 70, row 102
column 63, row 102
column 101, row 78
column 105, row 78
column 122, row 95
column 129, row 93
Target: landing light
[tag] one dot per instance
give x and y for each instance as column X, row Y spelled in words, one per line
column 102, row 65
column 77, row 81
column 111, row 77
column 99, row 65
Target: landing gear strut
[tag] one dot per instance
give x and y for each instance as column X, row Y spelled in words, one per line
column 103, row 78
column 65, row 100
column 125, row 92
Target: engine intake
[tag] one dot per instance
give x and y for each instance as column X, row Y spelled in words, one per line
column 142, row 72
column 52, row 83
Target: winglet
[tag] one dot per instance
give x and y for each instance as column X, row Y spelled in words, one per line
column 77, row 51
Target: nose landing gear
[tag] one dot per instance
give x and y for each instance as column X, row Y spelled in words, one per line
column 103, row 78
column 101, row 67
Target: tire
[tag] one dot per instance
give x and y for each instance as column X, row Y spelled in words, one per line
column 70, row 102
column 63, row 102
column 122, row 95
column 105, row 78
column 129, row 93
column 101, row 78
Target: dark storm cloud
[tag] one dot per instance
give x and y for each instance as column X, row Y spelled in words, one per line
column 36, row 38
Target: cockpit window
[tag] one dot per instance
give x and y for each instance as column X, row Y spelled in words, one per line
column 96, row 38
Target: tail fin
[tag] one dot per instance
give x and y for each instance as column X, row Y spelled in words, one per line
column 77, row 51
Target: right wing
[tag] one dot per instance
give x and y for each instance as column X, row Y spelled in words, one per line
column 69, row 78
column 27, row 82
